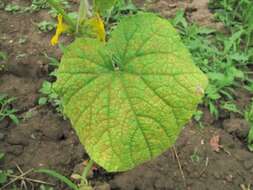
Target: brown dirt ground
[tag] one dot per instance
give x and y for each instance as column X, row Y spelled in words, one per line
column 44, row 139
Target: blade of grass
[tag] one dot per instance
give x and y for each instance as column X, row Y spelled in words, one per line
column 59, row 177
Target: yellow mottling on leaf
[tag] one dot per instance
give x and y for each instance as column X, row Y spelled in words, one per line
column 60, row 28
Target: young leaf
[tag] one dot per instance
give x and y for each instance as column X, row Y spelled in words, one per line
column 101, row 6
column 128, row 99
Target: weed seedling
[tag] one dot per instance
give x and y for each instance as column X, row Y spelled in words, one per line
column 4, row 174
column 13, row 8
column 224, row 58
column 195, row 158
column 3, row 56
column 22, row 40
column 248, row 115
column 197, row 117
column 49, row 96
column 6, row 110
column 38, row 5
column 52, row 61
column 46, row 26
column 231, row 107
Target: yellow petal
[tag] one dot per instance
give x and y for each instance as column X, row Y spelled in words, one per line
column 101, row 28
column 60, row 28
column 59, row 17
column 54, row 40
column 98, row 27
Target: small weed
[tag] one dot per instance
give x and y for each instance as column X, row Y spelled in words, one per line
column 231, row 107
column 223, row 57
column 197, row 116
column 64, row 4
column 38, row 5
column 22, row 40
column 83, row 185
column 120, row 9
column 6, row 110
column 49, row 96
column 60, row 177
column 195, row 158
column 35, row 5
column 248, row 115
column 4, row 173
column 3, row 56
column 13, row 8
column 52, row 61
column 46, row 26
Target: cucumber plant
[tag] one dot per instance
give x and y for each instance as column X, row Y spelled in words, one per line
column 128, row 97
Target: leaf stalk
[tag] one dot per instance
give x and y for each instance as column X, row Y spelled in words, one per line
column 61, row 11
column 87, row 170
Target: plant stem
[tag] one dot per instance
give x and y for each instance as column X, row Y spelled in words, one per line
column 83, row 13
column 60, row 10
column 87, row 169
column 87, row 6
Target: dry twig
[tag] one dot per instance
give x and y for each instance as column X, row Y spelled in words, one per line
column 179, row 165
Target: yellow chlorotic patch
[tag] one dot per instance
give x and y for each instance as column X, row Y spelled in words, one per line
column 60, row 28
column 98, row 27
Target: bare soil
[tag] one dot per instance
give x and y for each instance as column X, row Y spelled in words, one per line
column 45, row 140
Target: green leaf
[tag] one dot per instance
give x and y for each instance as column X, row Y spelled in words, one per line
column 3, row 177
column 14, row 119
column 3, row 56
column 250, row 139
column 42, row 101
column 1, row 155
column 128, row 99
column 46, row 88
column 102, row 6
column 60, row 177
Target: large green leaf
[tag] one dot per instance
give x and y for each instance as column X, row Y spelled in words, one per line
column 128, row 99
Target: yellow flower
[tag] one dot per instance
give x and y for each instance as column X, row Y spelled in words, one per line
column 60, row 28
column 98, row 27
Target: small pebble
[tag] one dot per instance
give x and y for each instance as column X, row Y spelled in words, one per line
column 33, row 136
column 229, row 178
